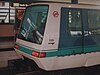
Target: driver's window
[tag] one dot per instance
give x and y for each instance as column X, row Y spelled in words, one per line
column 33, row 24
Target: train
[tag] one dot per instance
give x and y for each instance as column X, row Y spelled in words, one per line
column 59, row 35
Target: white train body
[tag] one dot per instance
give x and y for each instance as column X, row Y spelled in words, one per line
column 52, row 53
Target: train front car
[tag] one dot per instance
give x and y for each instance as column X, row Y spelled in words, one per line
column 60, row 36
column 33, row 40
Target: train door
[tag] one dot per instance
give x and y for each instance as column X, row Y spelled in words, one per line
column 91, row 25
column 79, row 31
column 71, row 32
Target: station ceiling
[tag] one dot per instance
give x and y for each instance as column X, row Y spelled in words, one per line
column 97, row 2
column 20, row 1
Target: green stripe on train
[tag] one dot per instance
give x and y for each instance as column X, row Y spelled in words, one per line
column 95, row 48
column 26, row 50
column 63, row 51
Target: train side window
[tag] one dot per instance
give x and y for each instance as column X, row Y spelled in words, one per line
column 74, row 22
column 71, row 31
column 94, row 21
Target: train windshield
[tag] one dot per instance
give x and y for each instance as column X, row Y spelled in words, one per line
column 33, row 24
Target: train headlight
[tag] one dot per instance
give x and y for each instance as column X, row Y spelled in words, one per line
column 16, row 46
column 39, row 54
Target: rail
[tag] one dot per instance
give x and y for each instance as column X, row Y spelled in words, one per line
column 31, row 73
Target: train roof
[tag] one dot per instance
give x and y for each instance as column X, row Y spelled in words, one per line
column 95, row 2
column 64, row 3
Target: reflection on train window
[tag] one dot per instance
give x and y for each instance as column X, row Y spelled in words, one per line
column 94, row 21
column 33, row 24
column 74, row 22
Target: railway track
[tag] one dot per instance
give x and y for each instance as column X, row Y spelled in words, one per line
column 82, row 71
column 20, row 67
column 30, row 73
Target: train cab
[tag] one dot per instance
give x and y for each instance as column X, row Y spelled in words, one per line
column 57, row 35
